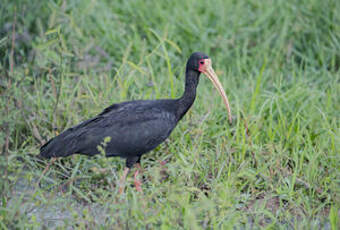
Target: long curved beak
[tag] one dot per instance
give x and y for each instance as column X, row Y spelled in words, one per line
column 210, row 73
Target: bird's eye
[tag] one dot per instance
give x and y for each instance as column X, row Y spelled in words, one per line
column 202, row 62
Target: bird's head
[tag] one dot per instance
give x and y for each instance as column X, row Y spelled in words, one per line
column 202, row 63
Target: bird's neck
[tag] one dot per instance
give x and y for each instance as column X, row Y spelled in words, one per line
column 189, row 95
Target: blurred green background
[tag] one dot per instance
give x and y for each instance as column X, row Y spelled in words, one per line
column 62, row 62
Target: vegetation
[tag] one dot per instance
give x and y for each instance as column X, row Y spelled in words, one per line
column 276, row 167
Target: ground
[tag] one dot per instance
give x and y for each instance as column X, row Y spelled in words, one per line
column 276, row 167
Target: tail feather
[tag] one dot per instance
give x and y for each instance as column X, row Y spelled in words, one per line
column 59, row 146
column 44, row 150
column 70, row 141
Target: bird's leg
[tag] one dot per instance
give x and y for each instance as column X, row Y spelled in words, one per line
column 138, row 183
column 130, row 161
column 139, row 167
column 122, row 180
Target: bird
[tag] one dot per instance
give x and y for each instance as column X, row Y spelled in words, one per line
column 133, row 128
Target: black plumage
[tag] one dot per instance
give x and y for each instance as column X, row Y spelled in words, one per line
column 134, row 127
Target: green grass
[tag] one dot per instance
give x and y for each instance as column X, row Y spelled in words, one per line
column 278, row 62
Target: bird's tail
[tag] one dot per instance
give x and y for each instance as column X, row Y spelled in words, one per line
column 56, row 147
column 45, row 150
column 69, row 142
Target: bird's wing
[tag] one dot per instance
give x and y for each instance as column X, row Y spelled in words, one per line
column 132, row 127
column 134, row 130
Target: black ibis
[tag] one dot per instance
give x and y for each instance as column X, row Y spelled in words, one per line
column 133, row 128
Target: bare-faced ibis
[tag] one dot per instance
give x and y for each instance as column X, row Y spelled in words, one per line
column 134, row 127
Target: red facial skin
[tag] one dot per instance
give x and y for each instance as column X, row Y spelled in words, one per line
column 201, row 65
